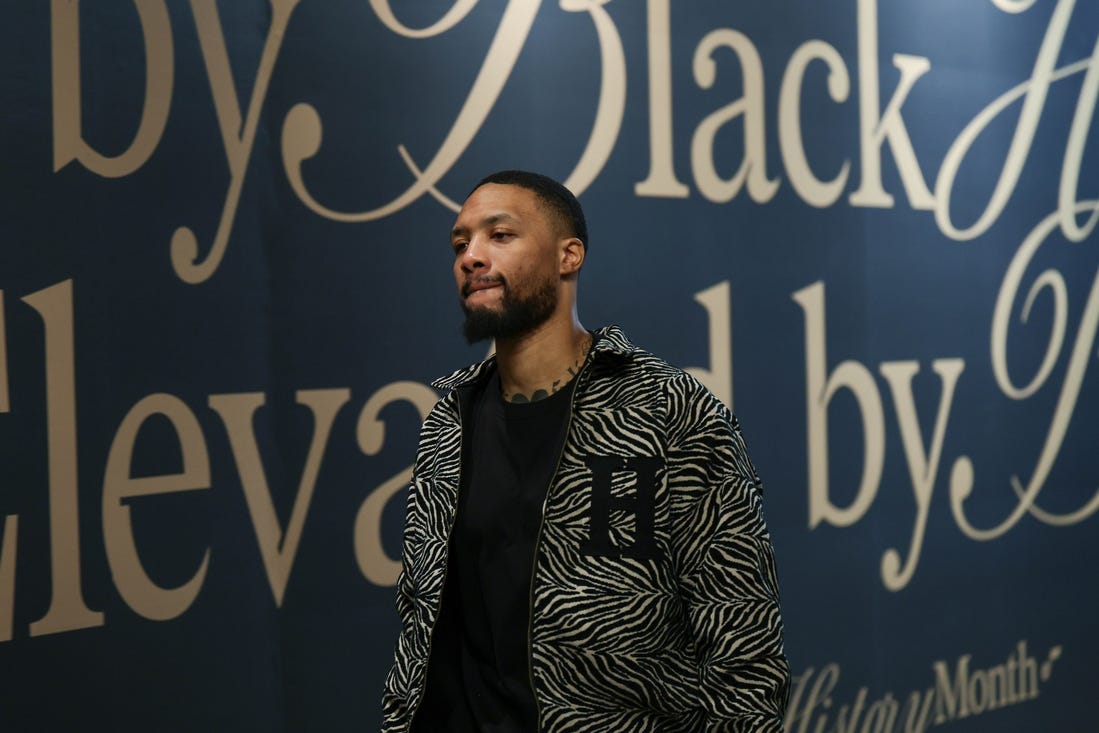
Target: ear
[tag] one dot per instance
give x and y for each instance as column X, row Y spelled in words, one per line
column 572, row 255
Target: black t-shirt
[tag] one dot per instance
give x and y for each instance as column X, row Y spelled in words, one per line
column 478, row 675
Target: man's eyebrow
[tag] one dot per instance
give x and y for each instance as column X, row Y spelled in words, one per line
column 460, row 230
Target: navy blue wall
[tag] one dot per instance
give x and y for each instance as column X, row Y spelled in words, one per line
column 225, row 278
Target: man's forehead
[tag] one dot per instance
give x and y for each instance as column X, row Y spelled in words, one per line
column 493, row 203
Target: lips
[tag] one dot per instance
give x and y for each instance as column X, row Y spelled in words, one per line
column 481, row 283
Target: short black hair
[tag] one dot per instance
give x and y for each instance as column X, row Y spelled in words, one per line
column 559, row 199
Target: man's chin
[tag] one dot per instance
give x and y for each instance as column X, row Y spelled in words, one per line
column 481, row 324
column 508, row 317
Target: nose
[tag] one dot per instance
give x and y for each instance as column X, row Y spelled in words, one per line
column 472, row 257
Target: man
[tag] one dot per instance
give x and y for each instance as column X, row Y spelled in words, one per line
column 584, row 548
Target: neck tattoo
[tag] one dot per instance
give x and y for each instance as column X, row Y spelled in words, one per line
column 518, row 398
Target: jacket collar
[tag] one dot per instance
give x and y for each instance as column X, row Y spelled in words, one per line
column 609, row 340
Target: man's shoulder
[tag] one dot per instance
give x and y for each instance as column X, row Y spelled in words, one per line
column 612, row 344
column 674, row 386
column 469, row 374
column 644, row 361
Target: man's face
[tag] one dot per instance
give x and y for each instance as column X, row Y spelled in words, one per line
column 505, row 262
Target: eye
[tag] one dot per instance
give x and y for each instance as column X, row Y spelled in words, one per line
column 459, row 247
column 502, row 236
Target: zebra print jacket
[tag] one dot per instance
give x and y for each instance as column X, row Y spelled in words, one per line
column 654, row 601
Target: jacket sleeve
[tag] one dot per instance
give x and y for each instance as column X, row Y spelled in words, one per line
column 401, row 692
column 395, row 711
column 727, row 568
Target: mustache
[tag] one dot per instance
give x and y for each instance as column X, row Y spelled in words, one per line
column 467, row 286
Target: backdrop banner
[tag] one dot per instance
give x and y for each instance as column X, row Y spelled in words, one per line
column 868, row 226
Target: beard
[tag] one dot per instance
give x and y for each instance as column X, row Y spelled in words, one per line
column 519, row 313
